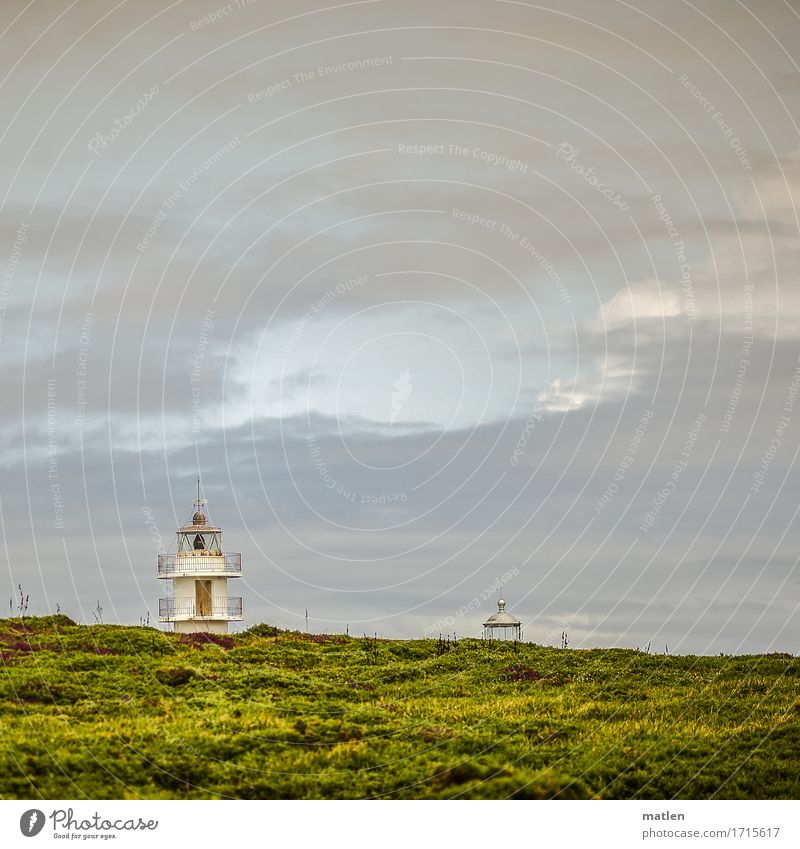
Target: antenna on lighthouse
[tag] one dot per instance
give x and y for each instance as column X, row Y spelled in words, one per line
column 201, row 502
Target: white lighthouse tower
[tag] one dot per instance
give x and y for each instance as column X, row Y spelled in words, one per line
column 199, row 572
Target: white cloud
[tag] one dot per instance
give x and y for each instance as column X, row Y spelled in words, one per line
column 649, row 299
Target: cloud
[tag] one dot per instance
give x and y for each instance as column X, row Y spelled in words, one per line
column 535, row 319
column 639, row 302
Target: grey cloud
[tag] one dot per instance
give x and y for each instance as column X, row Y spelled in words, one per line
column 256, row 236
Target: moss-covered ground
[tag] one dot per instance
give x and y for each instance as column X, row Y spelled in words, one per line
column 129, row 712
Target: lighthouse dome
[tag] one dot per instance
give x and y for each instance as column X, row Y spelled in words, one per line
column 199, row 518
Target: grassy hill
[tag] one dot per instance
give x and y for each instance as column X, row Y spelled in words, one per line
column 125, row 712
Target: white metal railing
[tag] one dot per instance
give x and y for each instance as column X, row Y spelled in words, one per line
column 219, row 564
column 216, row 607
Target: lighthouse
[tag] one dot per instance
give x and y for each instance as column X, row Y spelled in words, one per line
column 199, row 572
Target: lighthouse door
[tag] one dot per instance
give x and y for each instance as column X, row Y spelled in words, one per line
column 203, row 597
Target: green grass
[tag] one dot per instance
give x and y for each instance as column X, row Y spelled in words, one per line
column 115, row 712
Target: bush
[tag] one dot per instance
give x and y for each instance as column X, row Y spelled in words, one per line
column 174, row 676
column 410, row 651
column 262, row 630
column 517, row 672
column 200, row 639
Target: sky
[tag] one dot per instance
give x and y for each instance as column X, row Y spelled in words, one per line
column 441, row 300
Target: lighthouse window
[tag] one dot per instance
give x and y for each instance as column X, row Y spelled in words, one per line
column 198, row 543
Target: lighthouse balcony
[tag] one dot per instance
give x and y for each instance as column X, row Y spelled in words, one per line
column 181, row 609
column 200, row 563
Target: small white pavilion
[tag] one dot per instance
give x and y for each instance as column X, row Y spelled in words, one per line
column 502, row 625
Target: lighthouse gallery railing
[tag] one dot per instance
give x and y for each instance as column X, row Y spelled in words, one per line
column 173, row 564
column 224, row 607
